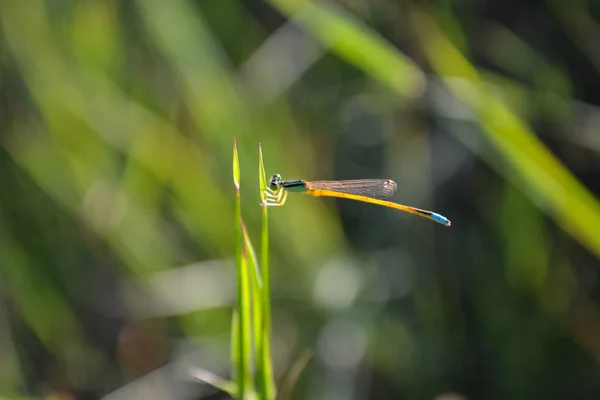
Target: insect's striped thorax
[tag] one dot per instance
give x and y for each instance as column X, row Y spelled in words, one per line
column 295, row 186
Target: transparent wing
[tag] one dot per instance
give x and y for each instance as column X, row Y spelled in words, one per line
column 375, row 188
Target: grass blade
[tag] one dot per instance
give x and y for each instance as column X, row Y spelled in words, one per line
column 262, row 178
column 237, row 342
column 246, row 327
column 241, row 351
column 236, row 175
column 266, row 381
column 256, row 284
column 237, row 361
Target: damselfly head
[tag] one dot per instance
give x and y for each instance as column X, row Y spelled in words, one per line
column 275, row 182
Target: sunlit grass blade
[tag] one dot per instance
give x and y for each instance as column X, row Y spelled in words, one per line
column 256, row 284
column 265, row 378
column 353, row 40
column 246, row 327
column 241, row 350
column 262, row 177
column 236, row 171
column 237, row 366
column 237, row 342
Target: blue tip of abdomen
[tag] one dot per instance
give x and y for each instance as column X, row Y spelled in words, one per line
column 440, row 219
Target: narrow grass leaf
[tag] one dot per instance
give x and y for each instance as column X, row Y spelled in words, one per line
column 261, row 175
column 265, row 367
column 246, row 327
column 256, row 285
column 236, row 354
column 238, row 344
column 236, row 166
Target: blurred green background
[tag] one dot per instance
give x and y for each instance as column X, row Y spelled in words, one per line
column 117, row 232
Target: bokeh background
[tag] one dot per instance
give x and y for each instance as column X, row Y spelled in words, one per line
column 117, row 232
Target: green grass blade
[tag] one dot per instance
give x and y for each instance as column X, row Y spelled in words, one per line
column 262, row 178
column 265, row 366
column 236, row 171
column 353, row 40
column 236, row 354
column 246, row 327
column 256, row 284
column 240, row 351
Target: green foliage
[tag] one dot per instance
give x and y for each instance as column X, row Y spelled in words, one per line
column 251, row 334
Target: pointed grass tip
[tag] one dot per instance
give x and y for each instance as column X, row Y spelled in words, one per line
column 236, row 166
